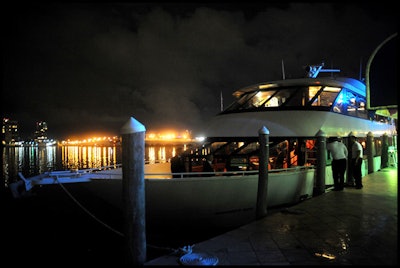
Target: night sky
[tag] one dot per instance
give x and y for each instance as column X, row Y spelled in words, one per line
column 87, row 68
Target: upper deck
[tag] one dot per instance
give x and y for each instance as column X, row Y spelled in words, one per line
column 341, row 95
column 300, row 108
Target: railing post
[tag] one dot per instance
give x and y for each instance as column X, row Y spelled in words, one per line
column 133, row 191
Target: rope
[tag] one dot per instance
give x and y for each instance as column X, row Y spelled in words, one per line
column 87, row 211
column 179, row 251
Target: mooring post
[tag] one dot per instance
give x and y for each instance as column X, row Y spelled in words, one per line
column 385, row 151
column 133, row 191
column 370, row 152
column 262, row 190
column 321, row 163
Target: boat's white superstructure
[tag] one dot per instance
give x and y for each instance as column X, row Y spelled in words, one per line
column 294, row 111
column 336, row 106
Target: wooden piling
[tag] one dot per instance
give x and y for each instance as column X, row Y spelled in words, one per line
column 133, row 191
column 261, row 210
column 370, row 152
column 321, row 163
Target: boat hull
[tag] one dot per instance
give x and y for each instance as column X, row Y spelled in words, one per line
column 223, row 201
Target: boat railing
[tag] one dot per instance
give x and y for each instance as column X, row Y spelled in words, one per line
column 86, row 175
column 229, row 173
column 95, row 173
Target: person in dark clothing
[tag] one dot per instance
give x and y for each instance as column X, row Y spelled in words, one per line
column 301, row 153
column 280, row 158
column 177, row 164
column 208, row 165
column 356, row 161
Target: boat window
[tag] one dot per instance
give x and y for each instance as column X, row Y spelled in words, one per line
column 298, row 97
column 326, row 97
column 350, row 103
column 243, row 102
column 313, row 93
column 289, row 97
column 262, row 97
column 278, row 98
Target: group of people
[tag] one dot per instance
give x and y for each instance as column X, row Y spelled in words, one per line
column 339, row 152
column 335, row 147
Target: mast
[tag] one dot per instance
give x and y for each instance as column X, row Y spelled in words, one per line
column 222, row 102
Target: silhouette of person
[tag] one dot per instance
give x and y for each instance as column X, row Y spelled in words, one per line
column 356, row 161
column 280, row 158
column 301, row 153
column 207, row 165
column 177, row 164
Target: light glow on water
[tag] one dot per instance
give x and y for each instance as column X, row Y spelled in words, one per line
column 34, row 160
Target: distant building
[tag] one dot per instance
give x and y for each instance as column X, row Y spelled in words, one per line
column 40, row 134
column 9, row 132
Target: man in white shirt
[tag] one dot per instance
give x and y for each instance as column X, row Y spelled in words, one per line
column 339, row 161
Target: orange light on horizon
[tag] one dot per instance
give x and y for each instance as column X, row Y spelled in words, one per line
column 166, row 135
column 90, row 140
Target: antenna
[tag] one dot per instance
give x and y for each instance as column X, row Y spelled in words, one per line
column 222, row 102
column 283, row 70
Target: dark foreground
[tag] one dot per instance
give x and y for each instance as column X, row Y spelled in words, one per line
column 48, row 228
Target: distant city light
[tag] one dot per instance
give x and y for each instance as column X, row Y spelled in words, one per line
column 200, row 139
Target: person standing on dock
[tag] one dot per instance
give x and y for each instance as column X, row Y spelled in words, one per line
column 177, row 164
column 339, row 153
column 356, row 161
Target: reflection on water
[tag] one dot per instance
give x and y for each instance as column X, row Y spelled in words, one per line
column 33, row 160
column 29, row 160
column 81, row 157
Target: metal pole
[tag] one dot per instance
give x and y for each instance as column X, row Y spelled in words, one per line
column 133, row 191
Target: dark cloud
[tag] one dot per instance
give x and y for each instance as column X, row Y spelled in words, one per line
column 90, row 67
